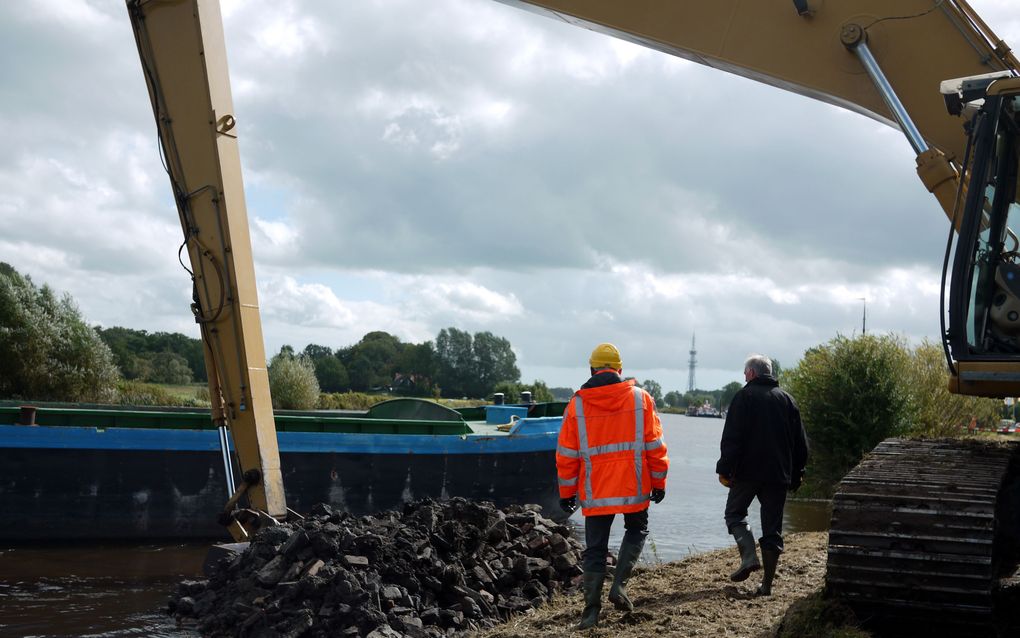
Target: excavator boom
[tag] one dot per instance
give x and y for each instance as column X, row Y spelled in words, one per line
column 184, row 59
column 799, row 47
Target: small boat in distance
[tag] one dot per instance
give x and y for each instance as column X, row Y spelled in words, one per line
column 706, row 410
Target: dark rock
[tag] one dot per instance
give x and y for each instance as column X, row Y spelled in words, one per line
column 520, row 568
column 498, row 532
column 185, row 606
column 430, row 616
column 564, row 561
column 430, row 570
column 384, row 632
column 535, row 589
column 272, row 572
column 356, row 561
column 537, row 543
column 558, row 544
column 297, row 541
column 321, row 509
column 272, row 536
column 298, row 624
column 451, row 618
column 324, row 545
column 191, row 587
column 369, row 619
column 392, row 593
column 314, row 568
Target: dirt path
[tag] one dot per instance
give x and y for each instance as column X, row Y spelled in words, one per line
column 693, row 597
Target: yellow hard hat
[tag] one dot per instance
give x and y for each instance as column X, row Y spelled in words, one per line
column 605, row 354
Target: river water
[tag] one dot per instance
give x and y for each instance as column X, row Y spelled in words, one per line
column 114, row 591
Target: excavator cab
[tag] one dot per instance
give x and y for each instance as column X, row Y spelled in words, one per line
column 984, row 298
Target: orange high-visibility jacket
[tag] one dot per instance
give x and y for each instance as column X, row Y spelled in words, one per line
column 611, row 453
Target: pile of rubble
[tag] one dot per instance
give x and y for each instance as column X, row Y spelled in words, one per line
column 435, row 569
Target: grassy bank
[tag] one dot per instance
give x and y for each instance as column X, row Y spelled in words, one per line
column 197, row 395
column 363, row 401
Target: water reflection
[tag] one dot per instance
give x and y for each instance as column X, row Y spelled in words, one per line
column 106, row 591
column 807, row 516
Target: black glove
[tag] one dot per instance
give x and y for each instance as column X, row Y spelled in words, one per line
column 798, row 478
column 569, row 505
column 657, row 495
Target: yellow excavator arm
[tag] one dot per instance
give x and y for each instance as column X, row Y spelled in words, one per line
column 184, row 60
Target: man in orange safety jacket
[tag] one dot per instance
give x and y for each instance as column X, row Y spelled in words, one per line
column 612, row 458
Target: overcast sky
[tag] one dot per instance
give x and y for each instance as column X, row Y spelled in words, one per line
column 415, row 165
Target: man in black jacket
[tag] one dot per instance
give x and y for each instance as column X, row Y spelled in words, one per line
column 764, row 452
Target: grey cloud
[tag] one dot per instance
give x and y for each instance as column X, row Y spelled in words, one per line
column 617, row 166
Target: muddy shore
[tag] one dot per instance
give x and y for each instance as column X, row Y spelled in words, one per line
column 692, row 597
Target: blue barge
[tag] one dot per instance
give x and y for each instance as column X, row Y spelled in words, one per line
column 115, row 474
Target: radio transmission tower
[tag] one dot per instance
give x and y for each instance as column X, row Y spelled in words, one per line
column 692, row 363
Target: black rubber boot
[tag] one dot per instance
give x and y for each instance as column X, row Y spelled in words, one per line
column 770, row 557
column 592, row 584
column 748, row 556
column 629, row 554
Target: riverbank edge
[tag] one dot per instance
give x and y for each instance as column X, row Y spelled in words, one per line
column 694, row 597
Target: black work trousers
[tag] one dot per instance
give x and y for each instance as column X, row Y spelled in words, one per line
column 596, row 537
column 771, row 497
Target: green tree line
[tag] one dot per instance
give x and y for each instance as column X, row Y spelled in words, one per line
column 158, row 357
column 456, row 364
column 49, row 352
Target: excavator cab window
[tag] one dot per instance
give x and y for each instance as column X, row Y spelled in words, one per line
column 985, row 291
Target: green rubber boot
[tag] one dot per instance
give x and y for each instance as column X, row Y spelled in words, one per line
column 770, row 557
column 748, row 555
column 626, row 560
column 592, row 584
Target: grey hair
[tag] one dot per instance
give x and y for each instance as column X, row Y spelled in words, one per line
column 761, row 364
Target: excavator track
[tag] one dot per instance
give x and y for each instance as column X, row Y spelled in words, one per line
column 921, row 534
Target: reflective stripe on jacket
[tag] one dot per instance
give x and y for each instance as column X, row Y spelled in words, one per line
column 611, row 453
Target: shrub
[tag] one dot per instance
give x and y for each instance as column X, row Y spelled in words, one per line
column 935, row 412
column 146, row 394
column 852, row 393
column 511, row 390
column 170, row 368
column 292, row 382
column 47, row 351
column 350, row 400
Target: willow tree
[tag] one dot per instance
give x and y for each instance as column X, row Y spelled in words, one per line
column 852, row 394
column 935, row 411
column 47, row 350
column 292, row 381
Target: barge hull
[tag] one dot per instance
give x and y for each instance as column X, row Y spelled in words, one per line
column 63, row 483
